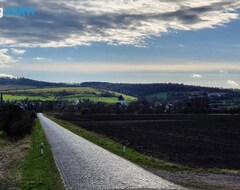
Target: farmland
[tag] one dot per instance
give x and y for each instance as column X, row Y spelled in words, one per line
column 65, row 94
column 205, row 141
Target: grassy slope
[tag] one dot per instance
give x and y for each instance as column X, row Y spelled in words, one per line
column 58, row 89
column 9, row 97
column 117, row 148
column 94, row 99
column 40, row 172
column 78, row 93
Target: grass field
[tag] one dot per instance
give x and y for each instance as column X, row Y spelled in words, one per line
column 59, row 89
column 40, row 172
column 9, row 97
column 66, row 93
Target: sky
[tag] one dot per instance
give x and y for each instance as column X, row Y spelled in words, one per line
column 134, row 41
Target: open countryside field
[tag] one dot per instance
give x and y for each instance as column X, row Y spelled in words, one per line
column 205, row 141
column 65, row 93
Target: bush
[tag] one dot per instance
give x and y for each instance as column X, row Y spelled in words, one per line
column 20, row 128
column 2, row 135
column 15, row 122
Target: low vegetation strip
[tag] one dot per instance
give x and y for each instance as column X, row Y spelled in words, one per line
column 118, row 149
column 40, row 172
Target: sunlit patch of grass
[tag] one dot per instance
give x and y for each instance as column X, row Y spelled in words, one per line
column 69, row 94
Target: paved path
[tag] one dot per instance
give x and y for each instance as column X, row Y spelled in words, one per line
column 84, row 165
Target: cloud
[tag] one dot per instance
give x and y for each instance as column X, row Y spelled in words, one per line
column 2, row 75
column 222, row 71
column 181, row 45
column 196, row 75
column 18, row 51
column 4, row 58
column 41, row 59
column 232, row 83
column 70, row 23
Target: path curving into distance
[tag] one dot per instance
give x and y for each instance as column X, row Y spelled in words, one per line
column 86, row 166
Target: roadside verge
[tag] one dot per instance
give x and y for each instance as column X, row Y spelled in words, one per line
column 40, row 172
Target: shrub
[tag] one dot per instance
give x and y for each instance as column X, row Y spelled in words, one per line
column 15, row 122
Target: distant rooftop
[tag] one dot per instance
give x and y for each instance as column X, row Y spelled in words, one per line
column 120, row 98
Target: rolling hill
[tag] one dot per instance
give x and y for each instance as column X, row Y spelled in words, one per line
column 16, row 88
column 66, row 94
column 150, row 90
column 8, row 82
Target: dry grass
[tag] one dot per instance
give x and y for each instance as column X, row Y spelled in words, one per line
column 11, row 159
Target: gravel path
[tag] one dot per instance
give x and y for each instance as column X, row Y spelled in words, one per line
column 84, row 165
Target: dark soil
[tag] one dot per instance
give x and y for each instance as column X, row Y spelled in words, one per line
column 205, row 141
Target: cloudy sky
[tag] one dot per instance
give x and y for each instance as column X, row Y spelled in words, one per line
column 184, row 41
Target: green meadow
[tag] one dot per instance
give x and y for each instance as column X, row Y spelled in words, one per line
column 65, row 93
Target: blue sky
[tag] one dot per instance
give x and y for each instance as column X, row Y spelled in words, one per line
column 133, row 41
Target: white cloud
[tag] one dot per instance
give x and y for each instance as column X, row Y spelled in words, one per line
column 181, row 45
column 40, row 58
column 232, row 83
column 2, row 75
column 4, row 58
column 196, row 75
column 18, row 51
column 71, row 23
column 222, row 71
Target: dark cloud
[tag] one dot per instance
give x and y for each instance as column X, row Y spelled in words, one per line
column 70, row 23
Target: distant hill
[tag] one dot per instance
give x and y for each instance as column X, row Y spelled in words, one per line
column 7, row 83
column 143, row 90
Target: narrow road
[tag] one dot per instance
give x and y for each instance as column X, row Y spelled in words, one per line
column 84, row 165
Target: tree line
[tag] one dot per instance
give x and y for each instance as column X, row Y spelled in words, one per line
column 142, row 90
